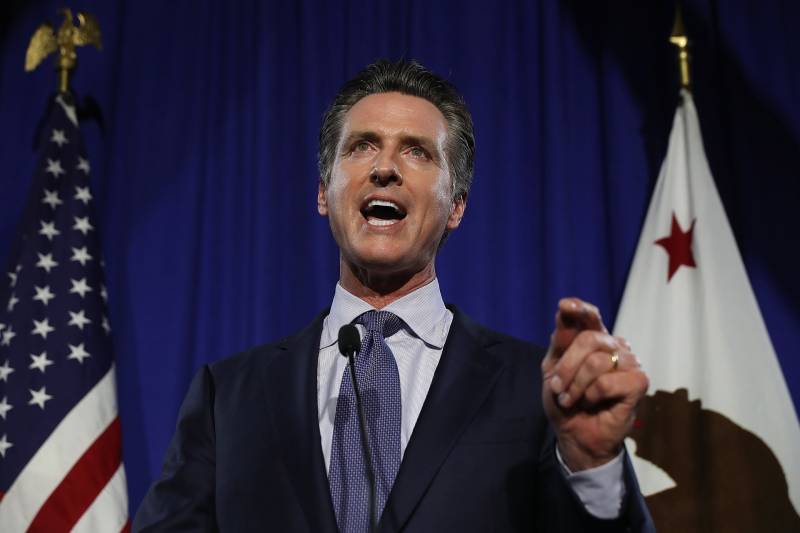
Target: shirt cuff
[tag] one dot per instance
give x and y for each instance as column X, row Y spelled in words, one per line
column 601, row 488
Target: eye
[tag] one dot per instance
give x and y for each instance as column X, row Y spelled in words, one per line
column 418, row 152
column 361, row 146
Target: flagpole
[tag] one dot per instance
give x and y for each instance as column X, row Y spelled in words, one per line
column 681, row 41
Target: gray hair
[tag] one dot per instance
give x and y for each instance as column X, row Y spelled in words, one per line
column 411, row 78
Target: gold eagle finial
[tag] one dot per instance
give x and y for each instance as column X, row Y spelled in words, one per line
column 45, row 41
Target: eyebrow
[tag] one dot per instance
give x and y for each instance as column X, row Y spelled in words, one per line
column 353, row 136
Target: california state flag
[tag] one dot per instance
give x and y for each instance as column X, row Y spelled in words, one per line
column 716, row 445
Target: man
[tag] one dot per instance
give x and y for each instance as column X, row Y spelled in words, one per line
column 460, row 421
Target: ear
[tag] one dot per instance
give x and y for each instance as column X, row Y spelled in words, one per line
column 322, row 200
column 457, row 212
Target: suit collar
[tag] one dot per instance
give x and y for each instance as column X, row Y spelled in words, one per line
column 463, row 380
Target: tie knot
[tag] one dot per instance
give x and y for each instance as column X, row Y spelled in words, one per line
column 383, row 322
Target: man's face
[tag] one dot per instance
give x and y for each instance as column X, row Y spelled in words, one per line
column 389, row 196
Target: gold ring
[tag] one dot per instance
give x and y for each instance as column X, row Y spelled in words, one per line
column 614, row 361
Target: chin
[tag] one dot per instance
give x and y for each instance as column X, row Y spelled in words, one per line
column 385, row 260
column 384, row 263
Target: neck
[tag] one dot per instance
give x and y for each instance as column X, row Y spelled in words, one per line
column 381, row 289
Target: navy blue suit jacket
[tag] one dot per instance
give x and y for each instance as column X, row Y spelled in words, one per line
column 246, row 455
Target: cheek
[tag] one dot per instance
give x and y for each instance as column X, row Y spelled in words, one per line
column 336, row 191
column 442, row 192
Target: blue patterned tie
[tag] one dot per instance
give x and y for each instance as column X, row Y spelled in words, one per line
column 379, row 381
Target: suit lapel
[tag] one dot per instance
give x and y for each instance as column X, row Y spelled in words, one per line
column 292, row 389
column 463, row 379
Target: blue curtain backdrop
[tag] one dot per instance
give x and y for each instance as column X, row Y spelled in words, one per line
column 201, row 122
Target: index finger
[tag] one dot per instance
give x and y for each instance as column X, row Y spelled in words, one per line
column 573, row 316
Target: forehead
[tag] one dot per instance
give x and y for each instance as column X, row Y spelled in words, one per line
column 396, row 114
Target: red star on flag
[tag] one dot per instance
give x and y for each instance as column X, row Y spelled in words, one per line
column 679, row 247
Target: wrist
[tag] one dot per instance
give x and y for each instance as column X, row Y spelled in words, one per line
column 577, row 457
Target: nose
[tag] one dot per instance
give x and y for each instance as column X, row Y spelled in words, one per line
column 382, row 177
column 385, row 172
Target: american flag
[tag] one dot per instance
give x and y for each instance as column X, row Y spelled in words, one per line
column 60, row 440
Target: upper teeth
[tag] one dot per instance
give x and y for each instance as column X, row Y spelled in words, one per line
column 383, row 203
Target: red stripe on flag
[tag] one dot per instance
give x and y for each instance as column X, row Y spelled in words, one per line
column 76, row 492
column 126, row 528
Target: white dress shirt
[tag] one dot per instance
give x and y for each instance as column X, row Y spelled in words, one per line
column 417, row 348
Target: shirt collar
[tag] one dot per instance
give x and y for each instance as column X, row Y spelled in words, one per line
column 422, row 310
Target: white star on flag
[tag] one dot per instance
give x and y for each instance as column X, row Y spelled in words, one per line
column 59, row 138
column 106, row 326
column 83, row 194
column 5, row 407
column 51, row 198
column 104, row 293
column 4, row 445
column 80, row 287
column 54, row 167
column 5, row 370
column 78, row 319
column 12, row 301
column 8, row 334
column 78, row 353
column 43, row 294
column 82, row 224
column 40, row 362
column 48, row 230
column 46, row 262
column 39, row 397
column 42, row 328
column 80, row 255
column 83, row 164
column 12, row 276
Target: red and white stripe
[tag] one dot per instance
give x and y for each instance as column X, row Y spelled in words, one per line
column 76, row 480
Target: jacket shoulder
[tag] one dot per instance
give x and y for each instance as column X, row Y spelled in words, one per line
column 264, row 356
column 498, row 343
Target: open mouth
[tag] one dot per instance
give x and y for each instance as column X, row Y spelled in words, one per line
column 382, row 213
